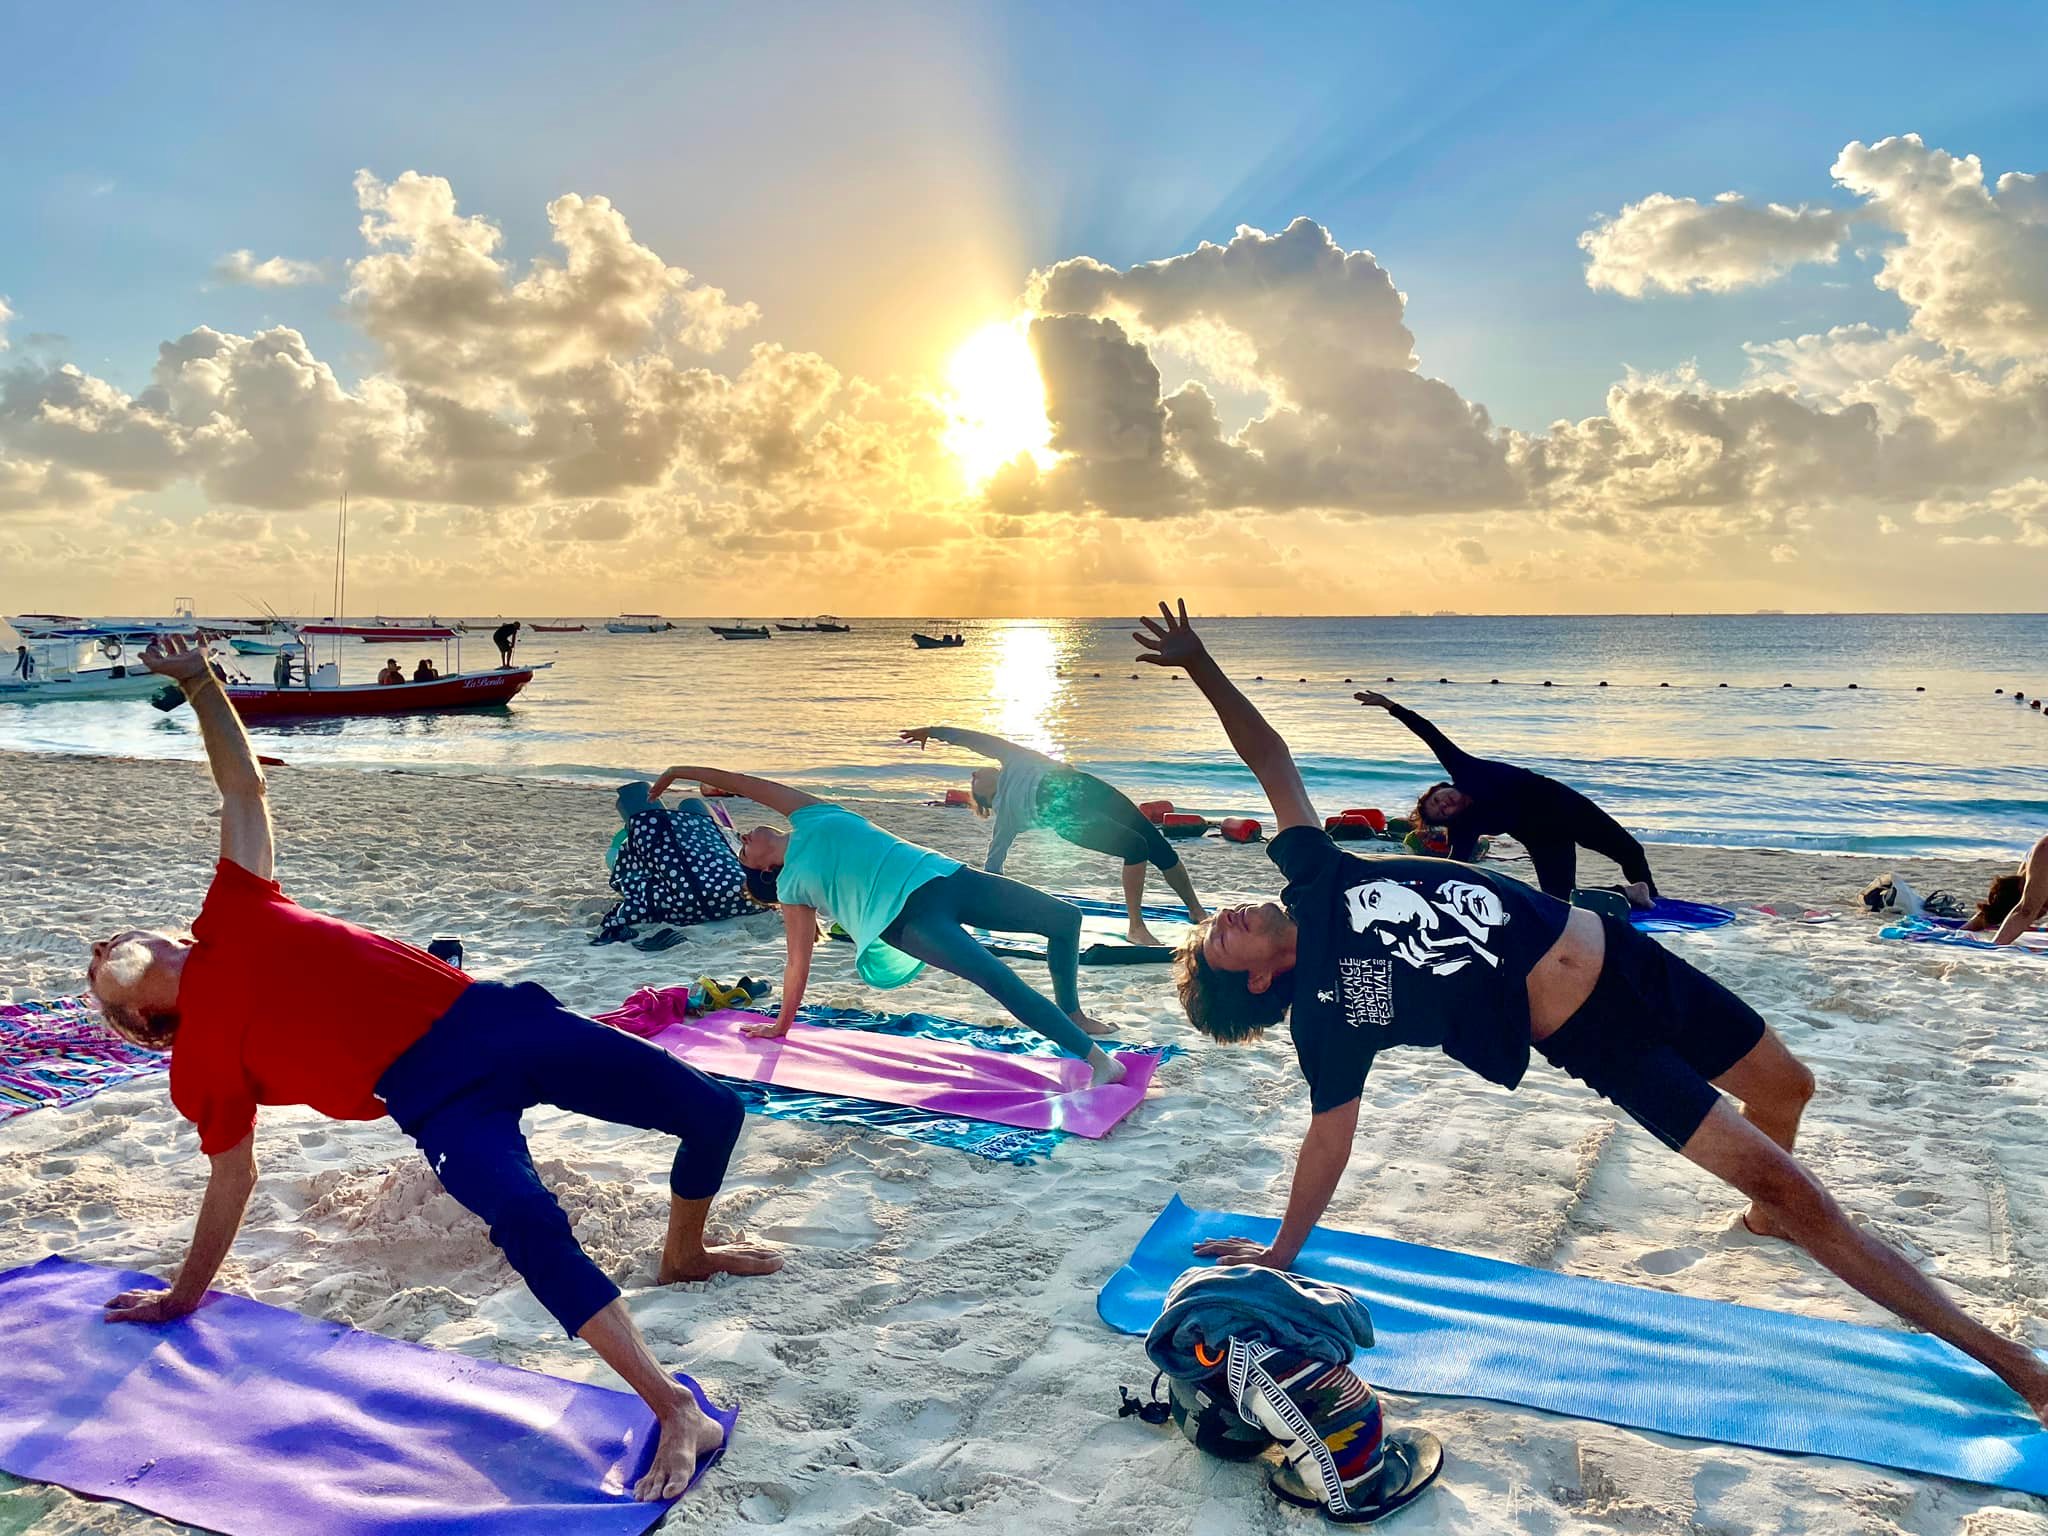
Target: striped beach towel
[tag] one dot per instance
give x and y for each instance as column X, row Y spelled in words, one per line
column 59, row 1052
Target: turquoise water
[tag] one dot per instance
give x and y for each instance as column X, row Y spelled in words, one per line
column 1956, row 769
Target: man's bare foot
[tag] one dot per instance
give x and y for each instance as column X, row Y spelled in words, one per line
column 1140, row 934
column 767, row 1029
column 1757, row 1224
column 1638, row 895
column 1105, row 1068
column 687, row 1437
column 720, row 1259
column 1091, row 1024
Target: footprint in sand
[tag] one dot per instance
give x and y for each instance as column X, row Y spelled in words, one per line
column 1916, row 1197
column 1669, row 1261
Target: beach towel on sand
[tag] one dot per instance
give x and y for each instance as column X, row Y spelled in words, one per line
column 250, row 1420
column 1455, row 1325
column 61, row 1051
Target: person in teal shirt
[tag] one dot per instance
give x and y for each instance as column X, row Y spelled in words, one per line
column 906, row 907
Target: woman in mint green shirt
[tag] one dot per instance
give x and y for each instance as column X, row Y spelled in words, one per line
column 906, row 907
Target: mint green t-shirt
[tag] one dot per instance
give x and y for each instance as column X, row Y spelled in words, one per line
column 842, row 863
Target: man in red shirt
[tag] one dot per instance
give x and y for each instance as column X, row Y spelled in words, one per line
column 267, row 1003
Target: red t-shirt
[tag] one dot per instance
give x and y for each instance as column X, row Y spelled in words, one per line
column 279, row 1005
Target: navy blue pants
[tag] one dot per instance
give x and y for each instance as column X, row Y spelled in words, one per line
column 500, row 1051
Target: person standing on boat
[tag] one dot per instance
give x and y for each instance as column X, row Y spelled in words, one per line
column 505, row 637
column 1361, row 955
column 24, row 664
column 268, row 1003
column 1028, row 789
column 905, row 907
column 1552, row 820
column 281, row 670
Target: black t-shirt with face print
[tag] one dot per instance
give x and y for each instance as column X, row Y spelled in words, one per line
column 1403, row 951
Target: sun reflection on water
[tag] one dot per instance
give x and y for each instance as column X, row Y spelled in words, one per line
column 1026, row 693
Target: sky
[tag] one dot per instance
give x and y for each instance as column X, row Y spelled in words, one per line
column 981, row 309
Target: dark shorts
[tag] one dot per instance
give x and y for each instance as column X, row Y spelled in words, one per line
column 1095, row 815
column 1654, row 1035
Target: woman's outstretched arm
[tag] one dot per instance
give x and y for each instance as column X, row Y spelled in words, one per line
column 1455, row 759
column 1171, row 641
column 777, row 797
column 994, row 747
column 245, row 834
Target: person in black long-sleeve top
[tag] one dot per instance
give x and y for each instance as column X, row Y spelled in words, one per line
column 1552, row 820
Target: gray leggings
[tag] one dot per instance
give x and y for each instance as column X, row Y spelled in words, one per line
column 933, row 924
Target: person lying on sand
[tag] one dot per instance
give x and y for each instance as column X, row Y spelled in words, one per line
column 906, row 907
column 1030, row 789
column 1368, row 953
column 1552, row 820
column 2016, row 902
column 268, row 1003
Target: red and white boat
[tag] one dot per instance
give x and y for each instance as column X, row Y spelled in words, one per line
column 368, row 632
column 456, row 690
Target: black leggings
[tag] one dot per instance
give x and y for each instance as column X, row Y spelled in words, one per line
column 1101, row 818
column 933, row 925
column 460, row 1089
column 1572, row 822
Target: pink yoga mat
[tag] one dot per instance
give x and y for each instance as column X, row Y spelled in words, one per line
column 1033, row 1093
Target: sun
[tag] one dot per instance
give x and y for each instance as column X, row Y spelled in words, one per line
column 995, row 402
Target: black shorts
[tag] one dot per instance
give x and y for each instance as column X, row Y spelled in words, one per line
column 1653, row 1035
column 1097, row 816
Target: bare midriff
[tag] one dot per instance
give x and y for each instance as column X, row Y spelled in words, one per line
column 1563, row 979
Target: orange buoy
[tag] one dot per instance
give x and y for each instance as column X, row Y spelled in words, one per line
column 1182, row 824
column 1241, row 829
column 1155, row 811
column 959, row 797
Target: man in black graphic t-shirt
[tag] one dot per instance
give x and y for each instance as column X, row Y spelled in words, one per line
column 1369, row 953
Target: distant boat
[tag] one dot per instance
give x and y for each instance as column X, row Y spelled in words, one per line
column 798, row 629
column 247, row 647
column 937, row 642
column 559, row 629
column 738, row 631
column 831, row 626
column 823, row 624
column 374, row 632
column 637, row 624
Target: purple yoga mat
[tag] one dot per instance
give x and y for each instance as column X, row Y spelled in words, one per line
column 254, row 1421
column 1033, row 1093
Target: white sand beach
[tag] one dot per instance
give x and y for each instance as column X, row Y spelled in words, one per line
column 930, row 1359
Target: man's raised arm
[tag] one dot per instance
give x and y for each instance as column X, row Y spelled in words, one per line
column 1171, row 641
column 245, row 835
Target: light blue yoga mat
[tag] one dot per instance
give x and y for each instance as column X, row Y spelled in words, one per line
column 1455, row 1325
column 1927, row 930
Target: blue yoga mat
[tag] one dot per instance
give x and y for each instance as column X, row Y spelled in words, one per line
column 254, row 1421
column 1927, row 930
column 1454, row 1325
column 1670, row 916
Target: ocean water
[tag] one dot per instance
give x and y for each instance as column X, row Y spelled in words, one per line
column 1956, row 769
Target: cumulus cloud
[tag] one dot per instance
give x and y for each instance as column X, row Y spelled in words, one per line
column 1349, row 423
column 1681, row 245
column 6, row 315
column 450, row 314
column 1973, row 264
column 525, row 422
column 242, row 269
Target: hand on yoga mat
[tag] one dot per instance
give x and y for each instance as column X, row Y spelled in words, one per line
column 1237, row 1250
column 148, row 1307
column 765, row 1029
